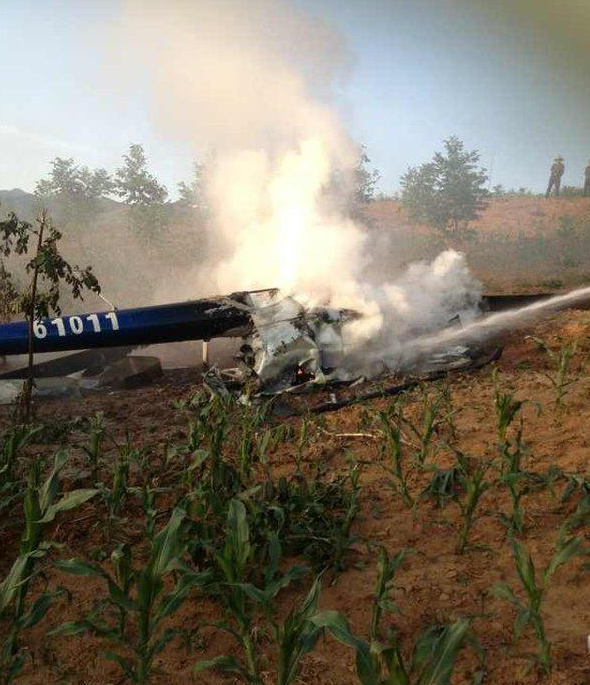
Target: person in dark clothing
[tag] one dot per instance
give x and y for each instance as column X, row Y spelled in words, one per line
column 587, row 180
column 557, row 169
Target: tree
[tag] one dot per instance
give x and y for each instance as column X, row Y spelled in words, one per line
column 135, row 184
column 67, row 179
column 448, row 192
column 49, row 271
column 365, row 179
column 193, row 194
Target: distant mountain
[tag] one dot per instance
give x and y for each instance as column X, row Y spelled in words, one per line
column 20, row 202
column 27, row 205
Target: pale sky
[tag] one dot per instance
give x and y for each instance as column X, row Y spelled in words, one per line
column 510, row 77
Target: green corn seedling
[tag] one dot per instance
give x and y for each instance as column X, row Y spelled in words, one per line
column 507, row 409
column 535, row 587
column 386, row 569
column 393, row 448
column 295, row 637
column 472, row 476
column 95, row 443
column 343, row 539
column 516, row 480
column 431, row 661
column 11, row 445
column 426, row 432
column 561, row 360
column 42, row 503
column 250, row 420
column 139, row 596
column 242, row 598
column 233, row 564
column 115, row 495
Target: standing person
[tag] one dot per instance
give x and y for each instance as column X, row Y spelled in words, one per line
column 587, row 180
column 557, row 169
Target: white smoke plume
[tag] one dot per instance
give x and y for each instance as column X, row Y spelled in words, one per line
column 251, row 83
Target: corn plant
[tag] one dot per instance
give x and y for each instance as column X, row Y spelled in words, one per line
column 430, row 662
column 507, row 409
column 516, row 480
column 242, row 599
column 114, row 495
column 392, row 447
column 342, row 538
column 11, row 446
column 95, row 443
column 426, row 431
column 561, row 361
column 535, row 587
column 138, row 596
column 250, row 419
column 41, row 505
column 386, row 569
column 581, row 515
column 472, row 476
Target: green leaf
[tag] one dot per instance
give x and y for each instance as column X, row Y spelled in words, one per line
column 439, row 669
column 238, row 536
column 38, row 609
column 78, row 567
column 70, row 500
column 223, row 662
column 504, row 591
column 525, row 568
column 161, row 642
column 71, row 628
column 167, row 544
column 14, row 579
column 50, row 487
column 337, row 625
column 570, row 549
column 123, row 663
column 396, row 672
column 523, row 617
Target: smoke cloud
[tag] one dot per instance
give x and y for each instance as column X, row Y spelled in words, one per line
column 252, row 85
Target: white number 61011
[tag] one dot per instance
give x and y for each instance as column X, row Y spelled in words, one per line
column 75, row 324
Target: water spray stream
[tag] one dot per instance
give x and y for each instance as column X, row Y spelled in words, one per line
column 484, row 329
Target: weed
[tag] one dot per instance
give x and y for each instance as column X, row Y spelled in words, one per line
column 445, row 485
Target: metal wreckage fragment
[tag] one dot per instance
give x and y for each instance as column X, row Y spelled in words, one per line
column 290, row 348
column 286, row 346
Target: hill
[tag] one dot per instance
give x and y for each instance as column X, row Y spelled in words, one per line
column 518, row 243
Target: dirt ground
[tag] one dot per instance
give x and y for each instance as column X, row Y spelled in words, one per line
column 434, row 585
